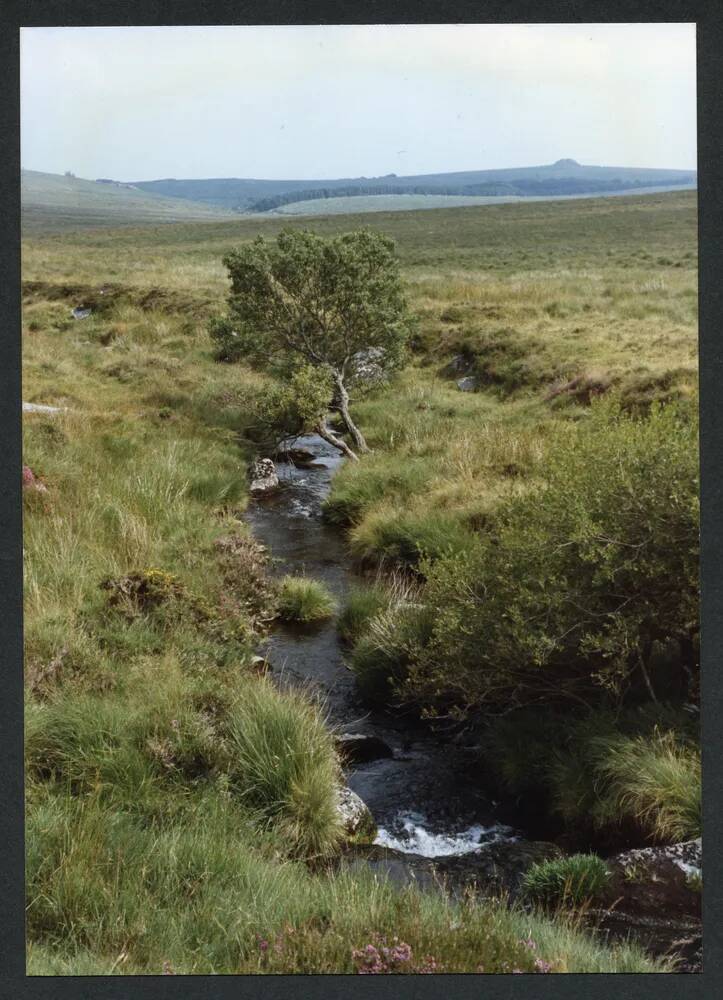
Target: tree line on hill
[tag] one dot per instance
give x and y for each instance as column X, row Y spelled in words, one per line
column 522, row 187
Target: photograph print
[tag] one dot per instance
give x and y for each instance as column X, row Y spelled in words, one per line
column 360, row 499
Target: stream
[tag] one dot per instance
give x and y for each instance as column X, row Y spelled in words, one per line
column 433, row 818
column 422, row 798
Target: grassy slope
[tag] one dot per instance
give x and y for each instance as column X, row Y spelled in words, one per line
column 411, row 202
column 52, row 200
column 146, row 473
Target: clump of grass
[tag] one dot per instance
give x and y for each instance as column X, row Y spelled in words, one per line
column 406, row 537
column 381, row 655
column 658, row 781
column 574, row 880
column 362, row 604
column 602, row 772
column 364, row 484
column 304, row 601
column 284, row 763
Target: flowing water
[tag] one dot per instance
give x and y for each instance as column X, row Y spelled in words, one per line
column 423, row 798
column 432, row 816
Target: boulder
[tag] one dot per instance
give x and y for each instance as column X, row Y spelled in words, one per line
column 80, row 312
column 654, row 897
column 356, row 816
column 653, row 881
column 259, row 665
column 459, row 365
column 367, row 366
column 264, row 479
column 359, row 748
column 468, row 384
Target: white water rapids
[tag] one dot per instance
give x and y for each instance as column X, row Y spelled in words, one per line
column 410, row 836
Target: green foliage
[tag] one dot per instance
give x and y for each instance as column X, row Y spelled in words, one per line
column 363, row 603
column 602, row 769
column 284, row 763
column 576, row 581
column 304, row 601
column 109, row 894
column 147, row 846
column 379, row 477
column 571, row 880
column 407, row 538
column 658, row 781
column 228, row 345
column 380, row 657
column 309, row 301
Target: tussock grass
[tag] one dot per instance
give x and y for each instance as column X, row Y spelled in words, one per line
column 638, row 768
column 656, row 780
column 362, row 604
column 283, row 760
column 571, row 880
column 304, row 601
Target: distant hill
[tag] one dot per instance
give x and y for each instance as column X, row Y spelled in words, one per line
column 358, row 204
column 564, row 177
column 55, row 200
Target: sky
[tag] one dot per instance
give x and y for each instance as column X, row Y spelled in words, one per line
column 336, row 101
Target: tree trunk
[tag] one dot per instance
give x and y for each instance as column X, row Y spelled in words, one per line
column 342, row 402
column 327, row 434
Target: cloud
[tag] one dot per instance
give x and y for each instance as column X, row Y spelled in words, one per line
column 284, row 101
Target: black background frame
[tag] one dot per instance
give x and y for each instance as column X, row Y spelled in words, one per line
column 708, row 15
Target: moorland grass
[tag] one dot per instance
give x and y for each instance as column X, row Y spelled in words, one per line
column 107, row 894
column 283, row 761
column 571, row 880
column 604, row 770
column 363, row 602
column 304, row 601
column 166, row 819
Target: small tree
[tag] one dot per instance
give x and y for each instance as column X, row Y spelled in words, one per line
column 335, row 305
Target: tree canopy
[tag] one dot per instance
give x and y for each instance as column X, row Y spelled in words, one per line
column 335, row 305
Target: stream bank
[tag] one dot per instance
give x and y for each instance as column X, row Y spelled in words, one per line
column 435, row 823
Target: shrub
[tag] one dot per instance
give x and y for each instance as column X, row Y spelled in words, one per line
column 304, row 601
column 575, row 879
column 579, row 581
column 228, row 346
column 284, row 763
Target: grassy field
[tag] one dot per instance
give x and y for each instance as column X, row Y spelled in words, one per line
column 414, row 202
column 162, row 831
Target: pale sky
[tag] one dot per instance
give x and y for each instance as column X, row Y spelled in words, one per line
column 361, row 100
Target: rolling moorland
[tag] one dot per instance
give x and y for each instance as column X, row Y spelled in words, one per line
column 180, row 803
column 52, row 200
column 563, row 177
